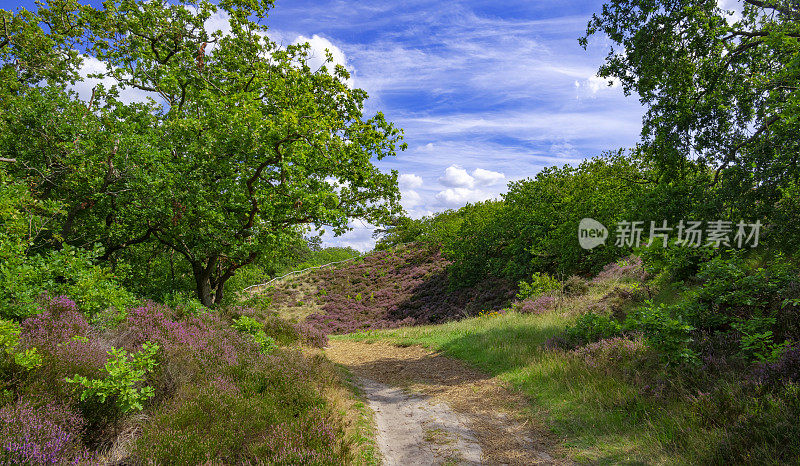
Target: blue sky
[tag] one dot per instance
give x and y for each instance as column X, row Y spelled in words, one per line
column 487, row 92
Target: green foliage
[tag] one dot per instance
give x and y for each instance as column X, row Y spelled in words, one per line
column 757, row 341
column 255, row 330
column 439, row 229
column 9, row 340
column 28, row 270
column 534, row 228
column 675, row 262
column 591, row 327
column 539, row 284
column 123, row 373
column 668, row 334
column 717, row 105
column 246, row 146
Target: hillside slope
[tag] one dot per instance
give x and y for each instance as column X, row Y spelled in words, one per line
column 386, row 289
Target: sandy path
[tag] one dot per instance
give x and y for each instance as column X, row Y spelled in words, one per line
column 413, row 430
column 430, row 409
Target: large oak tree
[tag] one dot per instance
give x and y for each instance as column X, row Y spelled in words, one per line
column 241, row 145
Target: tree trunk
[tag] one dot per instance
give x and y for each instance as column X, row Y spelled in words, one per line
column 202, row 279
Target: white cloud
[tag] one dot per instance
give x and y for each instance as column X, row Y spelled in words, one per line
column 410, row 181
column 317, row 57
column 591, row 86
column 453, row 197
column 92, row 65
column 564, row 149
column 410, row 198
column 488, row 177
column 456, row 177
column 360, row 237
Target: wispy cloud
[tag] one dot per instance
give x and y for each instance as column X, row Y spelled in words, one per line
column 486, row 93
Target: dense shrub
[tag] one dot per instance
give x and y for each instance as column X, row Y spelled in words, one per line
column 265, row 409
column 537, row 305
column 587, row 328
column 668, row 334
column 537, row 285
column 766, row 431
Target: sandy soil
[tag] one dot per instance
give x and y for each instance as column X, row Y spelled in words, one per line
column 430, row 409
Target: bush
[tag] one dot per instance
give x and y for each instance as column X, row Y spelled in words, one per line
column 669, row 335
column 675, row 262
column 767, row 432
column 575, row 286
column 123, row 374
column 539, row 284
column 587, row 328
column 37, row 431
column 255, row 330
column 268, row 409
column 539, row 305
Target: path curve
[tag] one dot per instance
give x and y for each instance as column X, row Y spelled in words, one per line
column 430, row 409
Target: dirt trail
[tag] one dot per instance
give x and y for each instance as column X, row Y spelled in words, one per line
column 430, row 409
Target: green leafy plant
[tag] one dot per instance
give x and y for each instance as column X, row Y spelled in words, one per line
column 591, row 327
column 538, row 284
column 124, row 373
column 757, row 340
column 9, row 340
column 255, row 329
column 667, row 334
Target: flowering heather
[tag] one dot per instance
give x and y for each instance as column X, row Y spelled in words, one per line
column 630, row 267
column 611, row 350
column 785, row 370
column 46, row 434
column 390, row 289
column 538, row 305
column 57, row 304
column 67, row 343
column 311, row 335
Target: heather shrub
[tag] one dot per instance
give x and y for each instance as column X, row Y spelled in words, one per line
column 627, row 357
column 388, row 289
column 575, row 286
column 265, row 409
column 36, row 431
column 627, row 268
column 311, row 335
column 538, row 305
column 765, row 432
column 784, row 369
column 66, row 343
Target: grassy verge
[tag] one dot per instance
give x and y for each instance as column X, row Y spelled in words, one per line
column 598, row 417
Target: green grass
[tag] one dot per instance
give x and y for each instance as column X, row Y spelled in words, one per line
column 596, row 417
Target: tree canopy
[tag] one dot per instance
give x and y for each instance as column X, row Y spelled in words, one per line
column 720, row 87
column 232, row 145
